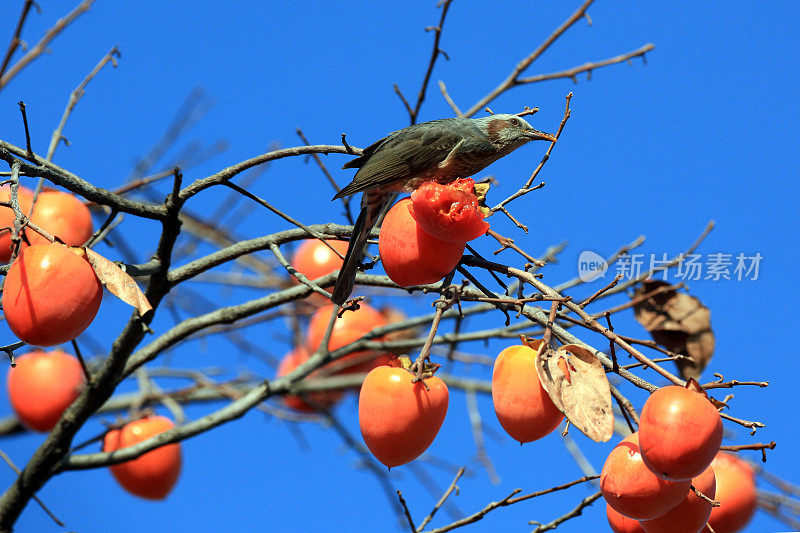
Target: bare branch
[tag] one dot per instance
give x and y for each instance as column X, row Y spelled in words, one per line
column 110, row 57
column 40, row 47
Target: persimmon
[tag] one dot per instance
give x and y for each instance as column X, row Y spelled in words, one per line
column 632, row 489
column 680, row 432
column 350, row 327
column 736, row 494
column 51, row 294
column 311, row 401
column 448, row 212
column 620, row 523
column 153, row 474
column 399, row 419
column 62, row 215
column 523, row 407
column 42, row 386
column 411, row 256
column 314, row 259
column 25, row 200
column 691, row 515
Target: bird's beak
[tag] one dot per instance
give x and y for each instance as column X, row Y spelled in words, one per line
column 536, row 135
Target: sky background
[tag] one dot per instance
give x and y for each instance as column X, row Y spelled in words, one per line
column 706, row 130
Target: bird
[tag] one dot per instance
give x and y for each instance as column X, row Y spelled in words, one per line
column 441, row 150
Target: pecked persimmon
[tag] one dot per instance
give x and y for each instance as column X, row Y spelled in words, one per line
column 42, row 386
column 691, row 515
column 314, row 259
column 448, row 212
column 523, row 407
column 350, row 327
column 63, row 215
column 309, row 402
column 399, row 419
column 680, row 432
column 153, row 474
column 736, row 494
column 411, row 256
column 632, row 489
column 620, row 523
column 25, row 199
column 51, row 294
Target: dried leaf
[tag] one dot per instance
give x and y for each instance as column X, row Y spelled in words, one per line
column 576, row 382
column 680, row 323
column 118, row 282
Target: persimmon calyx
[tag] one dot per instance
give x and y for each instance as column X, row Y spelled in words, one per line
column 426, row 371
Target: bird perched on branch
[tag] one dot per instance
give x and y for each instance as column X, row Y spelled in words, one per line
column 440, row 150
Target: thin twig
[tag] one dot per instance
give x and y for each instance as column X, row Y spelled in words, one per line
column 86, row 373
column 577, row 511
column 443, row 499
column 15, row 39
column 512, row 78
column 477, row 435
column 435, row 53
column 110, row 57
column 406, row 512
column 572, row 73
column 40, row 47
column 14, row 467
column 528, row 185
column 27, row 131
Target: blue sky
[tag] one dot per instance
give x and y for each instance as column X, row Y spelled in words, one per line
column 706, row 130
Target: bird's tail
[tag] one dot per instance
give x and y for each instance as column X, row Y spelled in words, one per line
column 372, row 204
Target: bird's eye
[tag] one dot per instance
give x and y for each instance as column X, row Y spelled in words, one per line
column 515, row 121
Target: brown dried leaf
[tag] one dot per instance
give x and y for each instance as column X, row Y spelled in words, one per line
column 576, row 382
column 118, row 282
column 680, row 323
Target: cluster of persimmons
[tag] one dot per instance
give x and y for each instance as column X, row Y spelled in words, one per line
column 50, row 296
column 660, row 479
column 663, row 478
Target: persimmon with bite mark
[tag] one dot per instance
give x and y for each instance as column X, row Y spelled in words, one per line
column 448, row 212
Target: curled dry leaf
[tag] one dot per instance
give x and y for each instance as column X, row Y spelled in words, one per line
column 680, row 323
column 118, row 282
column 576, row 382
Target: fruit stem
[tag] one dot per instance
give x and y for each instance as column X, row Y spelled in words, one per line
column 442, row 304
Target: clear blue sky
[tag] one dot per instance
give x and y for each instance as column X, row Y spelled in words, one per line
column 706, row 130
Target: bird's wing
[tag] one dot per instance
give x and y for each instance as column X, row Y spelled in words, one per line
column 365, row 154
column 404, row 154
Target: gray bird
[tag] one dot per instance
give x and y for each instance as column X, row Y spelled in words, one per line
column 440, row 150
